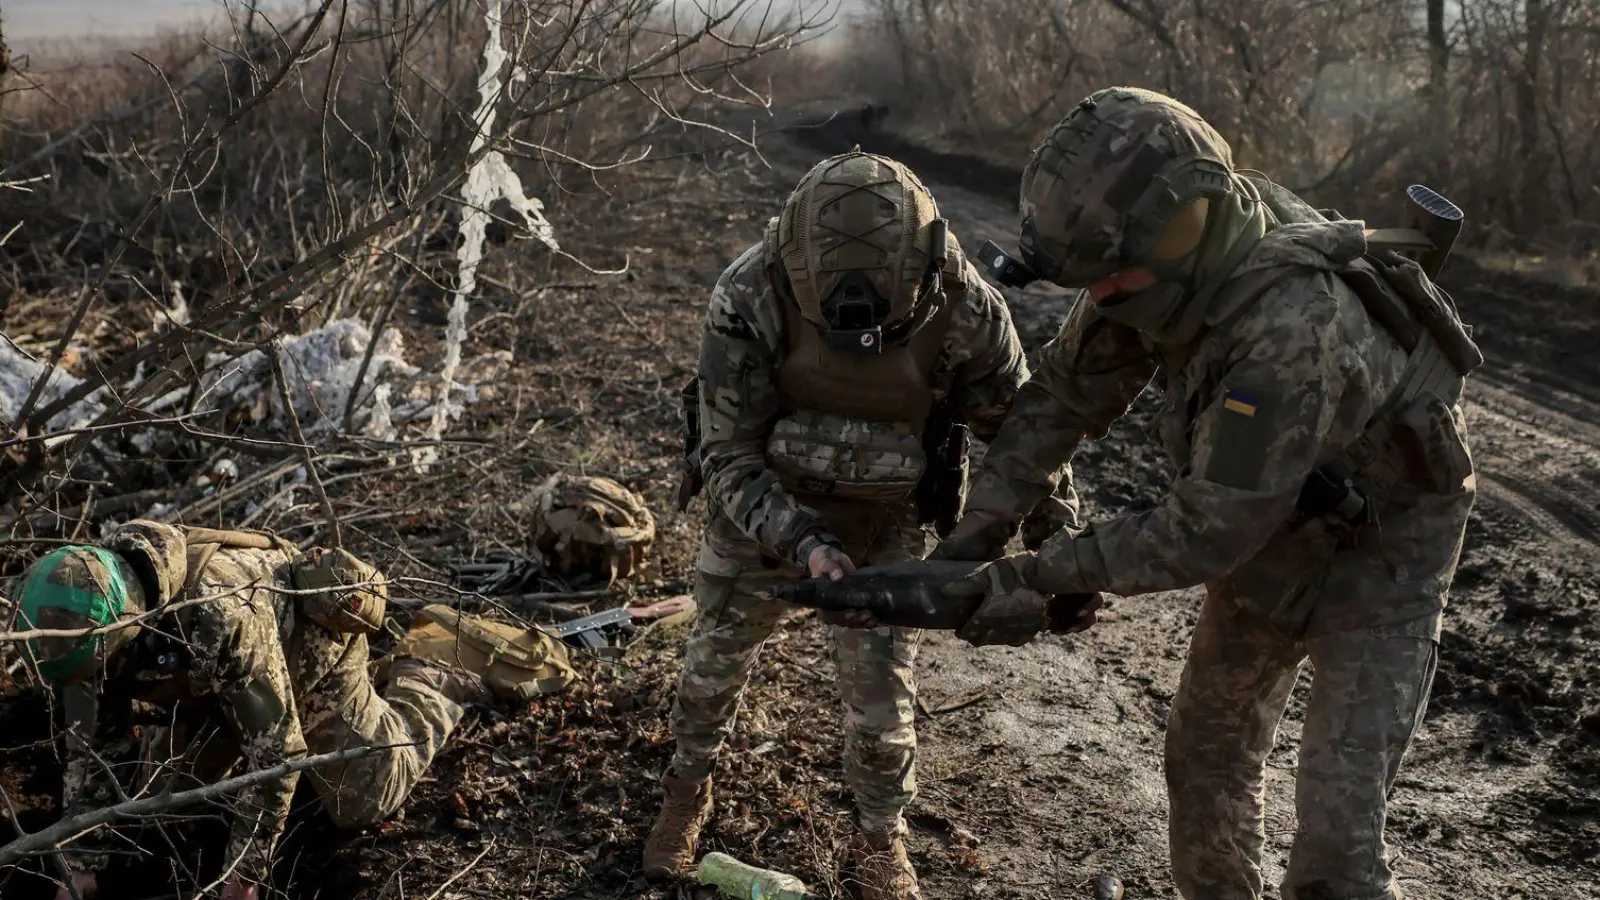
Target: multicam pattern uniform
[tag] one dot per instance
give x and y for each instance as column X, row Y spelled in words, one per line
column 260, row 686
column 755, row 526
column 1306, row 369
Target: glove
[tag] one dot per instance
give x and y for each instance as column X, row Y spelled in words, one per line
column 1072, row 613
column 1051, row 515
column 978, row 536
column 1011, row 612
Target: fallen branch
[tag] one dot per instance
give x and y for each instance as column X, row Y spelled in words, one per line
column 464, row 869
column 29, row 844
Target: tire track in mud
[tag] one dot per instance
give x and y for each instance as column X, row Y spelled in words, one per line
column 1535, row 455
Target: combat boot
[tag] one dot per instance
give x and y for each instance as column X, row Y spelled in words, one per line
column 883, row 871
column 685, row 807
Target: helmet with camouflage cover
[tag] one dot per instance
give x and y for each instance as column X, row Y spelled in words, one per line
column 1125, row 180
column 78, row 588
column 588, row 526
column 860, row 244
column 155, row 550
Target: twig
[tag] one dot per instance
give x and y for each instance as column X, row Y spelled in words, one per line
column 274, row 355
column 56, row 862
column 53, row 836
column 185, row 162
column 136, row 109
column 205, row 505
column 137, row 419
column 379, row 323
column 108, row 507
column 464, row 869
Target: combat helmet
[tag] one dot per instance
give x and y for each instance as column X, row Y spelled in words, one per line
column 859, row 246
column 1124, row 180
column 72, row 588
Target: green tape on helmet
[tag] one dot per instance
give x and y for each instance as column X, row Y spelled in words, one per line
column 81, row 585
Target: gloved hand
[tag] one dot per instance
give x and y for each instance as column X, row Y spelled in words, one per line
column 978, row 536
column 1049, row 516
column 1011, row 612
column 1072, row 613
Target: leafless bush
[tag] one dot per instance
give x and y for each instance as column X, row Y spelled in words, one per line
column 1496, row 102
column 171, row 213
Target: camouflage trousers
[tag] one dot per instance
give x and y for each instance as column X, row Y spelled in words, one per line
column 421, row 704
column 875, row 669
column 1367, row 700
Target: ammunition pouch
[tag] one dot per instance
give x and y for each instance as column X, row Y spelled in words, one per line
column 845, row 458
column 516, row 663
column 691, row 480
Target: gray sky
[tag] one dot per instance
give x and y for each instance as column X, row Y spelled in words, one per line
column 29, row 21
column 29, row 24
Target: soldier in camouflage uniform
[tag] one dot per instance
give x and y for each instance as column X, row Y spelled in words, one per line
column 248, row 672
column 1323, row 478
column 824, row 349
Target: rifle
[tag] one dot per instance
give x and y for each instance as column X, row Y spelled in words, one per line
column 597, row 631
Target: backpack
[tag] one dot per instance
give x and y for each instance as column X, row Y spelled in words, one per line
column 516, row 663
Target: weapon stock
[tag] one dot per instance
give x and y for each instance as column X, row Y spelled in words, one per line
column 1433, row 224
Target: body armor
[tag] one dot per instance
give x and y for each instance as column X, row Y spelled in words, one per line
column 856, row 393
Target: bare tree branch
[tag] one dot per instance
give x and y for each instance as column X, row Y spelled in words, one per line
column 61, row 832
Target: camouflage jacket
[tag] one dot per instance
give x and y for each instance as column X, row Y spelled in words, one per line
column 1281, row 384
column 222, row 663
column 742, row 344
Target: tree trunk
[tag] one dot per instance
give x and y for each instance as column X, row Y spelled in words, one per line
column 1537, row 17
column 1439, row 93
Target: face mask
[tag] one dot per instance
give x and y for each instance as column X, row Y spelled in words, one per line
column 1156, row 311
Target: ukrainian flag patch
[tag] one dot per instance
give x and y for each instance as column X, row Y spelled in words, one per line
column 1239, row 402
column 1233, row 449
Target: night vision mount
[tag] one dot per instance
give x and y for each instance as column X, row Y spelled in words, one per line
column 855, row 310
column 1004, row 269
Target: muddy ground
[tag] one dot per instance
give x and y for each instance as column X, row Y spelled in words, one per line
column 1040, row 766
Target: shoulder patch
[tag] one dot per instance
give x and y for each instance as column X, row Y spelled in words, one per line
column 1244, row 429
